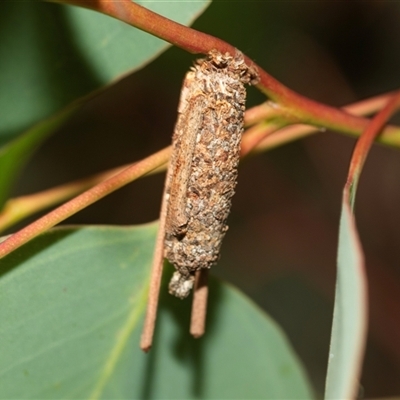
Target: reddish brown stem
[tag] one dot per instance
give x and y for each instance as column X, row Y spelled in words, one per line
column 365, row 142
column 199, row 304
column 255, row 135
column 18, row 208
column 155, row 280
column 306, row 110
column 83, row 200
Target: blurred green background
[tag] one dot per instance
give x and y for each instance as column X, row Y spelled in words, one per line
column 281, row 245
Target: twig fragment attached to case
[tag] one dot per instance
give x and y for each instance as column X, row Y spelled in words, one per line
column 200, row 181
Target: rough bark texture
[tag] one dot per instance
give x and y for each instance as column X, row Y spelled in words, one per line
column 203, row 169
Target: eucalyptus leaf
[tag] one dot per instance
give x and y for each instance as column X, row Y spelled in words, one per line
column 14, row 154
column 53, row 54
column 349, row 326
column 71, row 309
column 52, row 59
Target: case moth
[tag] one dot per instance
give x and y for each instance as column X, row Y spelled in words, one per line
column 202, row 174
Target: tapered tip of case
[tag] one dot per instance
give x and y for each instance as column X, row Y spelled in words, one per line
column 197, row 334
column 145, row 346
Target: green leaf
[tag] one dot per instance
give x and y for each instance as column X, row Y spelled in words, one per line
column 112, row 48
column 349, row 327
column 71, row 305
column 52, row 54
column 17, row 152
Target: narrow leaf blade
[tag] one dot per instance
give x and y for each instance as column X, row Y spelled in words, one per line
column 349, row 325
column 15, row 154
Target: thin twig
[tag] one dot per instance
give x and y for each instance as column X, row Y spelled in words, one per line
column 83, row 200
column 304, row 109
column 199, row 304
column 155, row 278
column 256, row 135
column 390, row 135
column 19, row 208
column 365, row 142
